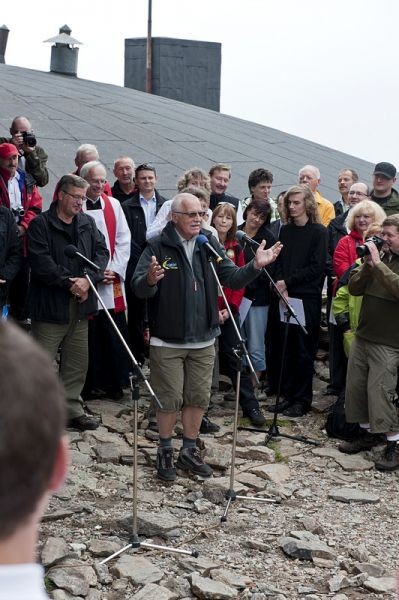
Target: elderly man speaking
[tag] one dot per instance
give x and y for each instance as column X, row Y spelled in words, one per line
column 174, row 274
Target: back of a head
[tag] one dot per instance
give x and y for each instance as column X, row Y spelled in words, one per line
column 32, row 422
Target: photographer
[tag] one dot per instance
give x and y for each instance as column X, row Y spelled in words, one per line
column 374, row 356
column 31, row 157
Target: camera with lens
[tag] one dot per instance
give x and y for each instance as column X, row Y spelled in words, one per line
column 29, row 139
column 18, row 212
column 364, row 250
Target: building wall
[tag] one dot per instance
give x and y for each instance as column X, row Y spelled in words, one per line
column 184, row 70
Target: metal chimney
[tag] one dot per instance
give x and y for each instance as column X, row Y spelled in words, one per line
column 64, row 53
column 4, row 31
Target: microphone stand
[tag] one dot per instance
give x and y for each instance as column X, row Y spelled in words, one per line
column 240, row 351
column 135, row 543
column 289, row 313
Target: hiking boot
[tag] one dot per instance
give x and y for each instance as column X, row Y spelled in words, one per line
column 207, row 426
column 256, row 416
column 282, row 405
column 389, row 461
column 83, row 423
column 296, row 410
column 190, row 459
column 366, row 441
column 165, row 464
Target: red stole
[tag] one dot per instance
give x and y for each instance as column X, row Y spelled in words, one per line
column 110, row 223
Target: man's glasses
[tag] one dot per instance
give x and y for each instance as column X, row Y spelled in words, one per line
column 191, row 215
column 76, row 197
column 358, row 194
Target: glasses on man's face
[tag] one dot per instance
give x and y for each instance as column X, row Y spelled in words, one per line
column 357, row 194
column 76, row 197
column 191, row 215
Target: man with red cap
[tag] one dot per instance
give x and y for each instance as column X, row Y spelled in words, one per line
column 19, row 193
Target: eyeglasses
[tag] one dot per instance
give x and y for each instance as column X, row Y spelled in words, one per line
column 358, row 194
column 76, row 197
column 191, row 215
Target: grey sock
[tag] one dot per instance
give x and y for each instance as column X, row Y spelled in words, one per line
column 189, row 442
column 165, row 442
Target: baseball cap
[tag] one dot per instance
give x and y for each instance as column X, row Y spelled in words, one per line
column 385, row 169
column 7, row 150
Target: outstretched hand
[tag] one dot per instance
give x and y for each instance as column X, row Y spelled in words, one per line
column 264, row 256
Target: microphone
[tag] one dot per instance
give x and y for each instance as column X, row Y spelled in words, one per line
column 242, row 237
column 202, row 240
column 71, row 251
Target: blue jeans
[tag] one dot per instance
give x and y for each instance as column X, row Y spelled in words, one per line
column 254, row 328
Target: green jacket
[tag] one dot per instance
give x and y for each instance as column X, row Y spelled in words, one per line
column 346, row 309
column 391, row 206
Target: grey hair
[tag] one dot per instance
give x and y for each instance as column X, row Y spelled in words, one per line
column 86, row 148
column 179, row 199
column 315, row 170
column 85, row 170
column 125, row 158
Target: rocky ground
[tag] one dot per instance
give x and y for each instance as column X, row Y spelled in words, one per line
column 331, row 534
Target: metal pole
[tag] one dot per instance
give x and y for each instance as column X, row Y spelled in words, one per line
column 148, row 70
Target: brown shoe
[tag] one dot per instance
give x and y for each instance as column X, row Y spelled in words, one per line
column 366, row 441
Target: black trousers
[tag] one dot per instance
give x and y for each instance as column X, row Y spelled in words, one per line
column 135, row 321
column 109, row 363
column 228, row 366
column 300, row 354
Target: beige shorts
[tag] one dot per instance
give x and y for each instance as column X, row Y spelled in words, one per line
column 182, row 377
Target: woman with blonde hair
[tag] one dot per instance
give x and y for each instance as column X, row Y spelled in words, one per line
column 360, row 217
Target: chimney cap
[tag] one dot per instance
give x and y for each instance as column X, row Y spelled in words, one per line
column 4, row 27
column 64, row 37
column 65, row 29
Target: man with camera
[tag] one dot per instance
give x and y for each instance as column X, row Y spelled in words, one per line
column 19, row 193
column 374, row 357
column 31, row 157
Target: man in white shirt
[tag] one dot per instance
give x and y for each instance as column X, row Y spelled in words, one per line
column 109, row 364
column 33, row 458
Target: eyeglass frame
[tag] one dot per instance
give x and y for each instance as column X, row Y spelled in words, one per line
column 192, row 214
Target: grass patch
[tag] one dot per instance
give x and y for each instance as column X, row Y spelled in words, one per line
column 279, row 456
column 48, row 584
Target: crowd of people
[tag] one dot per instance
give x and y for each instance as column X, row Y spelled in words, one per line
column 153, row 277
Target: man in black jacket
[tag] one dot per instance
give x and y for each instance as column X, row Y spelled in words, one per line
column 60, row 296
column 140, row 211
column 174, row 274
column 10, row 254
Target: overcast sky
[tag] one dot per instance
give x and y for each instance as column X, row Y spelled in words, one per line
column 321, row 70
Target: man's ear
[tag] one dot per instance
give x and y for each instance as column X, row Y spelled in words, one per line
column 60, row 467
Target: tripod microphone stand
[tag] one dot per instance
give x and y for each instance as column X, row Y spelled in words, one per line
column 138, row 375
column 289, row 313
column 240, row 351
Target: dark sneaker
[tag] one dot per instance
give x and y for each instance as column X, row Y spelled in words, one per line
column 190, row 460
column 256, row 416
column 296, row 410
column 165, row 464
column 390, row 458
column 83, row 423
column 207, row 426
column 366, row 441
column 282, row 405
